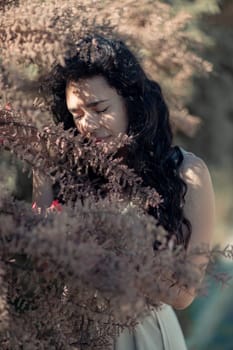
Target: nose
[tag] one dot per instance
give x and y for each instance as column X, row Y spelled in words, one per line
column 88, row 124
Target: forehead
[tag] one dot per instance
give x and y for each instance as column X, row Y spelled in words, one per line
column 89, row 90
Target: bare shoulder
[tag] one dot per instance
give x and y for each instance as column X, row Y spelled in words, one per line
column 199, row 205
column 193, row 169
column 199, row 209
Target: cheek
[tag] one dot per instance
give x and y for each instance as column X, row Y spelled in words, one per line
column 116, row 121
column 109, row 120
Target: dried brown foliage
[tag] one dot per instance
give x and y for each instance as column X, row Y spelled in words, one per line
column 81, row 279
column 73, row 280
column 35, row 34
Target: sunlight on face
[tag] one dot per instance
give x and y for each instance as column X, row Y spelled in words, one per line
column 99, row 112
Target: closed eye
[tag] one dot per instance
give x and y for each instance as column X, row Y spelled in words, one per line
column 102, row 111
column 79, row 116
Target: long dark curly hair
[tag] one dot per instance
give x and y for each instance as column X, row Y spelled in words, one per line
column 151, row 155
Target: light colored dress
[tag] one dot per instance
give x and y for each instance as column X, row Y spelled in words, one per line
column 160, row 330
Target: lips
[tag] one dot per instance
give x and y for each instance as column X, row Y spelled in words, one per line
column 101, row 139
column 98, row 140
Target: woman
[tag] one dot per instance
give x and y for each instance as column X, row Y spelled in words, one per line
column 103, row 92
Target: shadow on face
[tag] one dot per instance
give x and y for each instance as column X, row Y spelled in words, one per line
column 98, row 110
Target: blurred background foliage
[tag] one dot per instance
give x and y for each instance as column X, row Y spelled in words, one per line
column 207, row 96
column 208, row 322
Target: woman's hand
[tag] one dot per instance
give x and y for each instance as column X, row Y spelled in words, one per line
column 54, row 207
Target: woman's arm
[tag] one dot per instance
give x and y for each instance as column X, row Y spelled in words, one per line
column 42, row 190
column 14, row 129
column 200, row 210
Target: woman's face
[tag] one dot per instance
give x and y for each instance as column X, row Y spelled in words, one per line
column 99, row 112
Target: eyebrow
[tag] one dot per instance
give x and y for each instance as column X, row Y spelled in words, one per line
column 89, row 104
